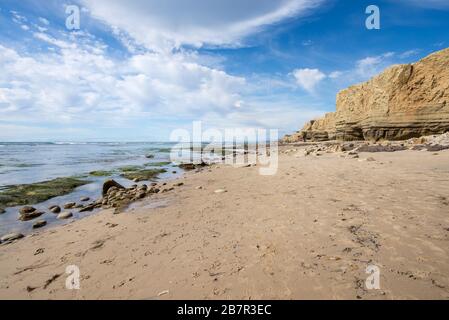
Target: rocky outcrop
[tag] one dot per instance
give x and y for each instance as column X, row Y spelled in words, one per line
column 403, row 102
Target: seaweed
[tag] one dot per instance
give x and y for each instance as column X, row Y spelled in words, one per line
column 142, row 175
column 28, row 194
column 101, row 173
column 158, row 164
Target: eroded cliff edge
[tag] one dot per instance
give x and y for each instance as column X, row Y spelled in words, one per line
column 405, row 101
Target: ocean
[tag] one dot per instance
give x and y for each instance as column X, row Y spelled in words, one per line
column 26, row 163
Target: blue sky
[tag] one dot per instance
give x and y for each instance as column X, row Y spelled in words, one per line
column 136, row 70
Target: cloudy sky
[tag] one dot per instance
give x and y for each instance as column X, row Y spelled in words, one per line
column 138, row 69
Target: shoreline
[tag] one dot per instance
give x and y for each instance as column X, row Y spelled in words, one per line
column 307, row 232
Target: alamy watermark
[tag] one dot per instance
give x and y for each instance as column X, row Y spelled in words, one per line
column 231, row 146
column 72, row 282
column 373, row 20
column 373, row 280
column 73, row 20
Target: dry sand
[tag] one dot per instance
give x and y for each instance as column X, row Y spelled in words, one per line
column 307, row 232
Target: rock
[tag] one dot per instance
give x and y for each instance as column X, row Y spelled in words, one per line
column 26, row 210
column 84, row 199
column 370, row 159
column 192, row 166
column 39, row 224
column 2, row 210
column 199, row 188
column 69, row 205
column 220, row 191
column 55, row 209
column 141, row 195
column 380, row 148
column 108, row 184
column 179, row 184
column 11, row 237
column 404, row 101
column 89, row 207
column 149, row 156
column 30, row 216
column 64, row 215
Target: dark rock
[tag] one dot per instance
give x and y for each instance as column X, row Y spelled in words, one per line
column 55, row 209
column 39, row 224
column 84, row 199
column 89, row 207
column 2, row 210
column 69, row 205
column 26, row 209
column 379, row 148
column 436, row 147
column 192, row 166
column 30, row 216
column 110, row 184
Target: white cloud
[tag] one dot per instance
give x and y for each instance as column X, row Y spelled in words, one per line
column 44, row 21
column 79, row 83
column 308, row 78
column 371, row 66
column 163, row 25
column 335, row 74
column 409, row 53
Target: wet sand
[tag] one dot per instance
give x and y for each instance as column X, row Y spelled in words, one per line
column 310, row 231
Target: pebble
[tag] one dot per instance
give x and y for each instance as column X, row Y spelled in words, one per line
column 64, row 215
column 30, row 216
column 84, row 199
column 26, row 209
column 69, row 205
column 220, row 191
column 11, row 237
column 55, row 209
column 39, row 224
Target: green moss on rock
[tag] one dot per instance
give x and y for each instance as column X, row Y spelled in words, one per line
column 101, row 173
column 28, row 194
column 142, row 175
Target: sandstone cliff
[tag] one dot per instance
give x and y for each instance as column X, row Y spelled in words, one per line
column 403, row 102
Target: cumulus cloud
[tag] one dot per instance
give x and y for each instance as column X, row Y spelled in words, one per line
column 78, row 81
column 162, row 25
column 308, row 79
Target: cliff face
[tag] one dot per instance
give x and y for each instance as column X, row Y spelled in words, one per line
column 403, row 102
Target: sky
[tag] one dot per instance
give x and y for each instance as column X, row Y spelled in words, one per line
column 136, row 70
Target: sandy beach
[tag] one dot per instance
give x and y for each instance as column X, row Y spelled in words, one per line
column 307, row 232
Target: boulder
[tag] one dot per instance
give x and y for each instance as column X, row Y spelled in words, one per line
column 2, row 210
column 108, row 184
